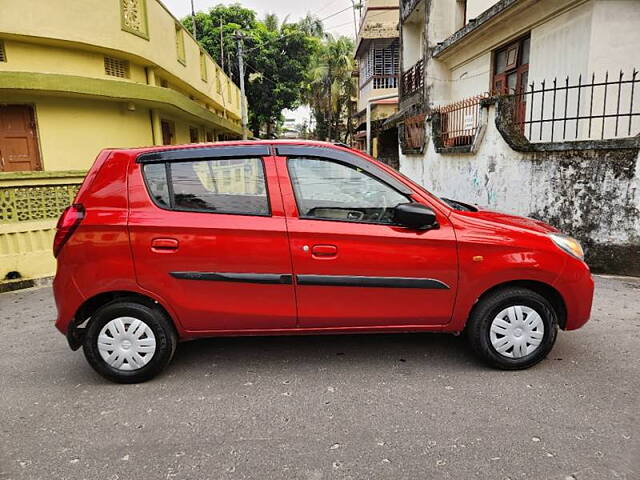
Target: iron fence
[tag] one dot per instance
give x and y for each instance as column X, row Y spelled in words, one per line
column 459, row 121
column 597, row 109
column 413, row 79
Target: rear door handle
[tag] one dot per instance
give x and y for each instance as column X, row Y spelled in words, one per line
column 164, row 245
column 324, row 251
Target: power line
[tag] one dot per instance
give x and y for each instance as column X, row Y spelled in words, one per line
column 374, row 15
column 336, row 13
column 260, row 73
column 326, row 7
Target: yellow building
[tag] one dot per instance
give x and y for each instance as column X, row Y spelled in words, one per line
column 76, row 77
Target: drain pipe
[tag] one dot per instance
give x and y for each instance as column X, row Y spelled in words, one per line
column 369, row 102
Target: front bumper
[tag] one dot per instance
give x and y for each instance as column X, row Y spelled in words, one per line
column 576, row 286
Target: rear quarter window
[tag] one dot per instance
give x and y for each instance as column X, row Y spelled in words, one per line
column 232, row 186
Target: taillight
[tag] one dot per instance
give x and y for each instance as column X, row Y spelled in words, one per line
column 67, row 224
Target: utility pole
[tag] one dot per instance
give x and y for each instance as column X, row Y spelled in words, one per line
column 193, row 21
column 221, row 47
column 243, row 106
column 355, row 24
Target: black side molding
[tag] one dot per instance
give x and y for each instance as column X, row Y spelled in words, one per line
column 268, row 278
column 204, row 153
column 384, row 282
column 342, row 157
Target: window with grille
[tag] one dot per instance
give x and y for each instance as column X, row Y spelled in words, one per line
column 3, row 53
column 218, row 82
column 203, row 66
column 180, row 51
column 414, row 133
column 116, row 67
column 133, row 17
column 194, row 136
column 380, row 63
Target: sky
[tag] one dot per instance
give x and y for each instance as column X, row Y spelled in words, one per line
column 337, row 23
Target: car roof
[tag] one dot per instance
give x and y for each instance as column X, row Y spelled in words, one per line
column 231, row 143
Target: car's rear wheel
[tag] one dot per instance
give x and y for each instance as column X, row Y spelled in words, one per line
column 129, row 342
column 513, row 328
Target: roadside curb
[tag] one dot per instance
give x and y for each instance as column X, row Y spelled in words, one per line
column 23, row 284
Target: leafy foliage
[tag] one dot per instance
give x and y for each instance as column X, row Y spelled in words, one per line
column 277, row 58
column 331, row 87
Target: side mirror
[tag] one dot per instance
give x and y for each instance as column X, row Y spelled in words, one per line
column 415, row 216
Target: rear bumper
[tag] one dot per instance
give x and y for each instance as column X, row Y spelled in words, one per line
column 68, row 299
column 575, row 284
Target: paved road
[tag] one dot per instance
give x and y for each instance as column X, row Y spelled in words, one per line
column 365, row 407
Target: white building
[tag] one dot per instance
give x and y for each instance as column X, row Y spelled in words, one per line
column 528, row 106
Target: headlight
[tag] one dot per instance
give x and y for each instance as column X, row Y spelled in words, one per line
column 568, row 244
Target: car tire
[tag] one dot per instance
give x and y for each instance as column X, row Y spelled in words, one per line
column 512, row 328
column 128, row 341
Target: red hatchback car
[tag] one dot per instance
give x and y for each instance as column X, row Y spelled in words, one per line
column 291, row 237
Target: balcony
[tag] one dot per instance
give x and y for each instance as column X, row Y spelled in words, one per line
column 377, row 82
column 413, row 79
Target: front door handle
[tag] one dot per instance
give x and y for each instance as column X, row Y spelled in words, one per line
column 164, row 245
column 324, row 251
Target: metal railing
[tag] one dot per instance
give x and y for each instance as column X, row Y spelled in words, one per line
column 377, row 82
column 385, row 81
column 598, row 109
column 413, row 79
column 459, row 121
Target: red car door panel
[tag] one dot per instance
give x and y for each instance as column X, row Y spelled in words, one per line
column 219, row 271
column 373, row 275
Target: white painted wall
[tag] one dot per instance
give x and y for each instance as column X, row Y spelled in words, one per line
column 412, row 42
column 469, row 79
column 503, row 179
column 476, row 7
column 560, row 47
column 615, row 36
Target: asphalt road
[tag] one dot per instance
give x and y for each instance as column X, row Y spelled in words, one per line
column 365, row 407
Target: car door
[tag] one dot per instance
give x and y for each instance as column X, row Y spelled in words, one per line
column 353, row 267
column 208, row 236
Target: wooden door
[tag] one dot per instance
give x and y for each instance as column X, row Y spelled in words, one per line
column 167, row 132
column 18, row 139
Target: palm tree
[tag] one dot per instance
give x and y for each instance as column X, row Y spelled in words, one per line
column 312, row 26
column 331, row 85
column 272, row 22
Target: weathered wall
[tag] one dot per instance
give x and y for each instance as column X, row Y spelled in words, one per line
column 592, row 194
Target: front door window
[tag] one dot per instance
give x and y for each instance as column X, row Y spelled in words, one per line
column 328, row 190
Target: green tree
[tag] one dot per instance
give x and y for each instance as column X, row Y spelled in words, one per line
column 331, row 87
column 277, row 57
column 216, row 30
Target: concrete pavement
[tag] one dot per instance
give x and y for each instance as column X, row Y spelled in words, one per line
column 362, row 407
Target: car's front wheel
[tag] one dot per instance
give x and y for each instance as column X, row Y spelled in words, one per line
column 129, row 342
column 513, row 328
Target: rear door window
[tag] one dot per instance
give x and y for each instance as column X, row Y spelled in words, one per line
column 232, row 186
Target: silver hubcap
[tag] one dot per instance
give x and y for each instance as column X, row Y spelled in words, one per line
column 516, row 331
column 126, row 343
